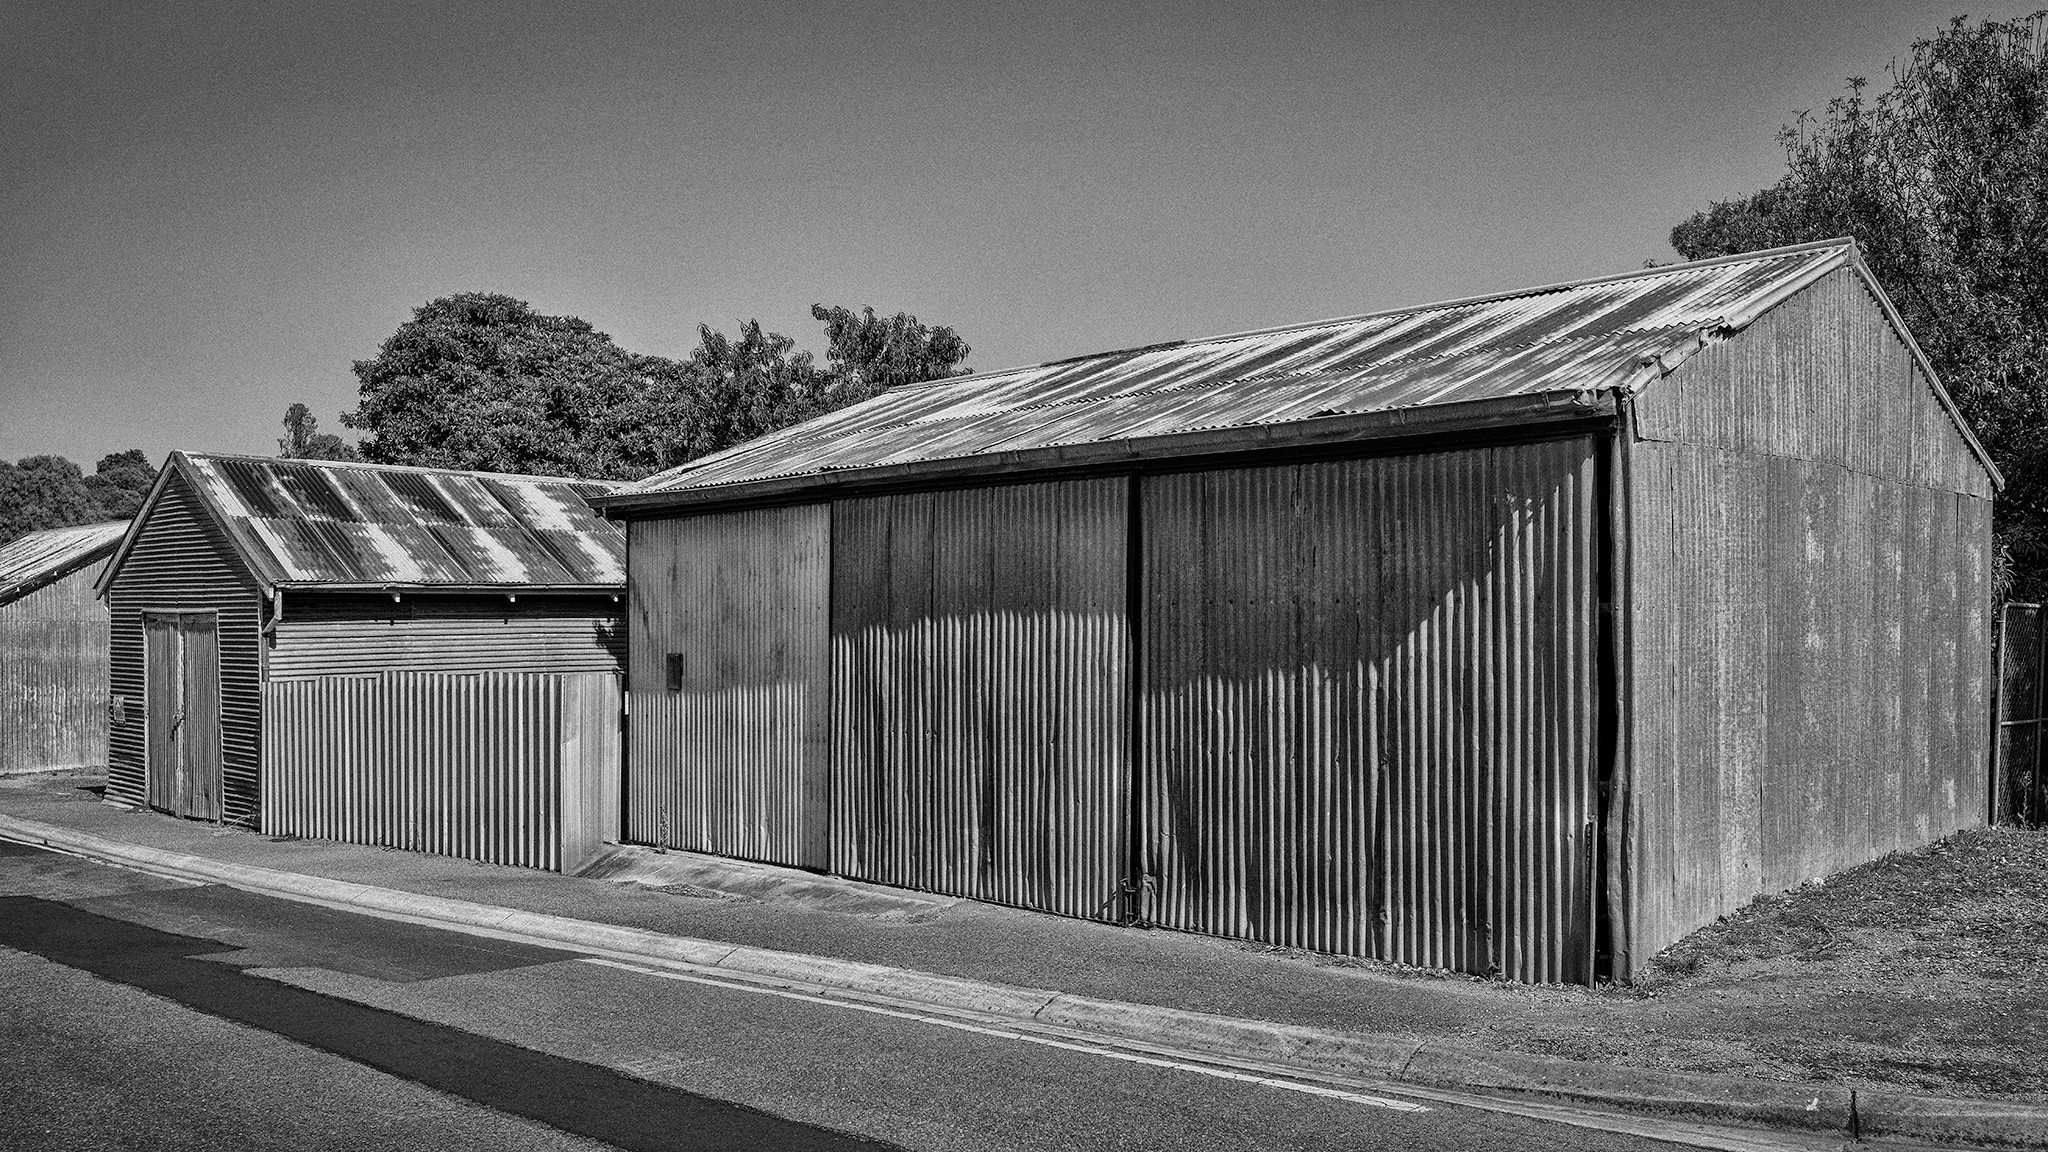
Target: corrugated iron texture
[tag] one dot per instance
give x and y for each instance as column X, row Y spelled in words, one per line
column 498, row 766
column 327, row 522
column 1808, row 620
column 1560, row 339
column 181, row 561
column 734, row 759
column 53, row 676
column 1370, row 706
column 333, row 634
column 1828, row 381
column 981, row 689
column 35, row 559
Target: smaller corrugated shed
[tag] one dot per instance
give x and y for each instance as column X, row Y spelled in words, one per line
column 343, row 525
column 39, row 559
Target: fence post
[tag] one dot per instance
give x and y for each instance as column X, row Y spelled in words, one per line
column 2028, row 809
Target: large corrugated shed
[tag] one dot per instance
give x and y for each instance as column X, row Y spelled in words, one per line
column 416, row 657
column 53, row 649
column 1518, row 634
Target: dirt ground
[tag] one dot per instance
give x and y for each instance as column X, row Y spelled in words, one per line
column 1925, row 970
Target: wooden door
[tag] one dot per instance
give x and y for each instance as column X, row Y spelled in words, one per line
column 181, row 669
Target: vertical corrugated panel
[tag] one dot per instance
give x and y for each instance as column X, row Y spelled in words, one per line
column 471, row 766
column 163, row 658
column 588, row 742
column 1809, row 685
column 1370, row 706
column 181, row 562
column 53, row 677
column 735, row 760
column 334, row 634
column 980, row 658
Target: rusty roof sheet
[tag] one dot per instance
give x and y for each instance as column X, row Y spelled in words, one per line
column 1574, row 337
column 42, row 558
column 321, row 522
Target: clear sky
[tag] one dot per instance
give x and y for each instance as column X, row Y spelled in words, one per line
column 208, row 210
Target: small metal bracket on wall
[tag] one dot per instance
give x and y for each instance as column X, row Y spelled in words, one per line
column 1137, row 899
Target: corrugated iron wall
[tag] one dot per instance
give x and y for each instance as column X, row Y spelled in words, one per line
column 734, row 759
column 1370, row 706
column 53, row 677
column 1807, row 619
column 980, row 657
column 182, row 562
column 495, row 766
column 329, row 634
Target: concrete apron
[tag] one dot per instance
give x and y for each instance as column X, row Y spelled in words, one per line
column 1575, row 1092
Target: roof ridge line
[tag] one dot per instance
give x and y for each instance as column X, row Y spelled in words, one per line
column 255, row 459
column 1781, row 252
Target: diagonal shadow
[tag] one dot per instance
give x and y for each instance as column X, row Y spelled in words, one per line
column 579, row 1098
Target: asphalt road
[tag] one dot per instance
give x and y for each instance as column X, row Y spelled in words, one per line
column 143, row 1013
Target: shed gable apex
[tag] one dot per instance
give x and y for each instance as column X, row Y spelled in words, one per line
column 176, row 471
column 1826, row 375
column 1653, row 372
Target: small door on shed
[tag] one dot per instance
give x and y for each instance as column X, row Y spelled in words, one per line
column 181, row 666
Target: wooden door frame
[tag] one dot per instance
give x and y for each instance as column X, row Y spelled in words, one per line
column 149, row 765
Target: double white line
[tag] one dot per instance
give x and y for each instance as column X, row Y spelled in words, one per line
column 989, row 1027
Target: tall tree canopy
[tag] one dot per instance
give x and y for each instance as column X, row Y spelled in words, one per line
column 51, row 492
column 119, row 483
column 869, row 353
column 483, row 381
column 1942, row 178
column 303, row 439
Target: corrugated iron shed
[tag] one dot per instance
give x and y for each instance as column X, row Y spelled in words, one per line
column 1575, row 339
column 331, row 524
column 41, row 558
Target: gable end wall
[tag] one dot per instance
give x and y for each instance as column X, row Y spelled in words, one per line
column 1807, row 618
column 183, row 561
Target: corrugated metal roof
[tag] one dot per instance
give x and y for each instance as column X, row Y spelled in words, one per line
column 40, row 558
column 1568, row 338
column 319, row 522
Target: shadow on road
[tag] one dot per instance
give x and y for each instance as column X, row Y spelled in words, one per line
column 579, row 1098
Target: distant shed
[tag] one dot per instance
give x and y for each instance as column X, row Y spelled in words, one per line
column 421, row 658
column 53, row 649
column 1518, row 634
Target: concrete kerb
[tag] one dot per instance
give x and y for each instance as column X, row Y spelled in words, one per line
column 1387, row 1059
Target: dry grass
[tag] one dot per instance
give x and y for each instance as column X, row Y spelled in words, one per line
column 1926, row 970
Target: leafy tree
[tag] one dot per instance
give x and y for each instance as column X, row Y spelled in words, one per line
column 870, row 354
column 120, row 483
column 1943, row 181
column 51, row 492
column 483, row 381
column 303, row 439
column 737, row 389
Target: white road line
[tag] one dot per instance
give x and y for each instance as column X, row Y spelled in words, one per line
column 1010, row 1034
